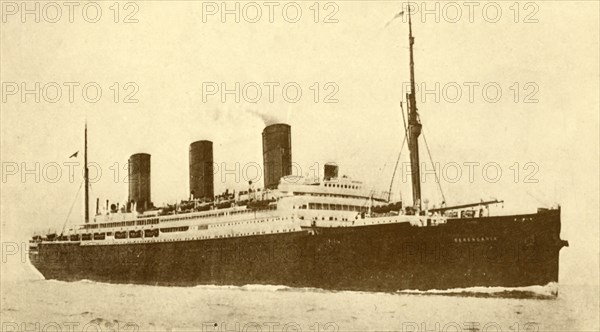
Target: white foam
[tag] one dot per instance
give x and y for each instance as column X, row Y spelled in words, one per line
column 551, row 289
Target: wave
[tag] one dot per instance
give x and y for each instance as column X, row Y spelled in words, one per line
column 549, row 291
column 274, row 288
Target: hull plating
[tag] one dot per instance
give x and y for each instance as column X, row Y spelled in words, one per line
column 509, row 251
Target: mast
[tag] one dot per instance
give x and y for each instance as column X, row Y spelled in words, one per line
column 86, row 177
column 414, row 125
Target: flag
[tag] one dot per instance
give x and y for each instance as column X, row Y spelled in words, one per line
column 74, row 155
column 395, row 17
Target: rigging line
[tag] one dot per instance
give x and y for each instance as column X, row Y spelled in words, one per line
column 396, row 168
column 400, row 153
column 71, row 209
column 92, row 194
column 369, row 199
column 404, row 120
column 544, row 204
column 434, row 170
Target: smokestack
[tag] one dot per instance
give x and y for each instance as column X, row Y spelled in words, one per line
column 331, row 171
column 201, row 170
column 139, row 180
column 277, row 153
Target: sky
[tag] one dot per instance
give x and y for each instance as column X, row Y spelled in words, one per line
column 515, row 116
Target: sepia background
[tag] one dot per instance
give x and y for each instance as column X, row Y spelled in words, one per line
column 542, row 132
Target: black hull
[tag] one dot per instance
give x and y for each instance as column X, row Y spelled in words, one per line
column 508, row 251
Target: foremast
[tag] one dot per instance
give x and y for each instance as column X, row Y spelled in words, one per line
column 414, row 124
column 86, row 177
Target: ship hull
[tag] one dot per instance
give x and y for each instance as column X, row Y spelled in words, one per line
column 508, row 251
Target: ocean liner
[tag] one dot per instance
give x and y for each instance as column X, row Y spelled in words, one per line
column 330, row 232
